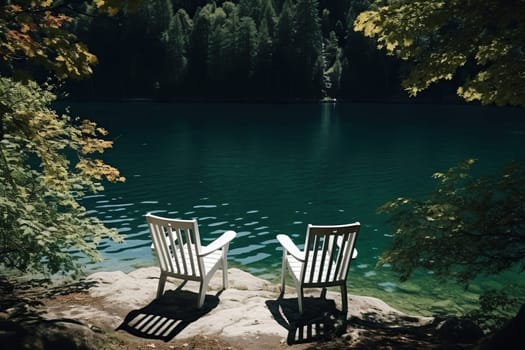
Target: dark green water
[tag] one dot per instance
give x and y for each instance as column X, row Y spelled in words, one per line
column 267, row 169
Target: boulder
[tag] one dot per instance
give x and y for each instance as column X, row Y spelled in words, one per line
column 457, row 330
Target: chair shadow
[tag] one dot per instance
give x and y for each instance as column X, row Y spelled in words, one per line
column 168, row 315
column 320, row 319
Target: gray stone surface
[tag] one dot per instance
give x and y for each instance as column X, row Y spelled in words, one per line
column 240, row 310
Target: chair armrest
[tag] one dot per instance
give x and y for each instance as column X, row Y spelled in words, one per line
column 220, row 242
column 290, row 247
column 354, row 253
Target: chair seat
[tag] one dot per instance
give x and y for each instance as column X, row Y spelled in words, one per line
column 210, row 261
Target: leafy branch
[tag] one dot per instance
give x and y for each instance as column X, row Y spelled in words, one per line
column 42, row 216
column 467, row 225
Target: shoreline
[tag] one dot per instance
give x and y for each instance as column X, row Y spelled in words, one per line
column 248, row 315
column 408, row 297
column 329, row 101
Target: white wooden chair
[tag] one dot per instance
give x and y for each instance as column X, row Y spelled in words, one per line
column 324, row 262
column 181, row 255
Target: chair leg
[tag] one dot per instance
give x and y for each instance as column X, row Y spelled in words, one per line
column 224, row 273
column 300, row 295
column 162, row 282
column 283, row 272
column 202, row 293
column 344, row 298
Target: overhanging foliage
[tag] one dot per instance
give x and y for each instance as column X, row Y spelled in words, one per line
column 47, row 163
column 467, row 226
column 484, row 38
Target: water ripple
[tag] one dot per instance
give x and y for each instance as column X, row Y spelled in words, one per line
column 370, row 273
column 117, row 221
column 243, row 233
column 94, row 196
column 213, row 224
column 246, row 249
column 114, row 205
column 252, row 259
column 388, row 286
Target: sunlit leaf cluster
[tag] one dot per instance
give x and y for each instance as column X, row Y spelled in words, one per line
column 47, row 164
column 112, row 7
column 33, row 32
column 466, row 227
column 478, row 42
column 38, row 33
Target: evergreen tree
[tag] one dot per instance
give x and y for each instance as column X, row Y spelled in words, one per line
column 380, row 80
column 264, row 74
column 333, row 67
column 325, row 22
column 157, row 15
column 177, row 42
column 218, row 48
column 198, row 53
column 245, row 50
column 252, row 9
column 284, row 53
column 268, row 17
column 308, row 41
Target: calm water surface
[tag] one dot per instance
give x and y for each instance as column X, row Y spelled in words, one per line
column 267, row 169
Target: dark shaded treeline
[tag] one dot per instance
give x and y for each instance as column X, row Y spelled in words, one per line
column 245, row 49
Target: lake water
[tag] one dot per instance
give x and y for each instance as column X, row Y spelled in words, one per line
column 262, row 170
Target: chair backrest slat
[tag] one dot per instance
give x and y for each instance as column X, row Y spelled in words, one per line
column 169, row 242
column 321, row 263
column 340, row 254
column 191, row 252
column 177, row 245
column 314, row 250
column 328, row 253
column 180, row 257
column 157, row 234
column 332, row 243
column 347, row 254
